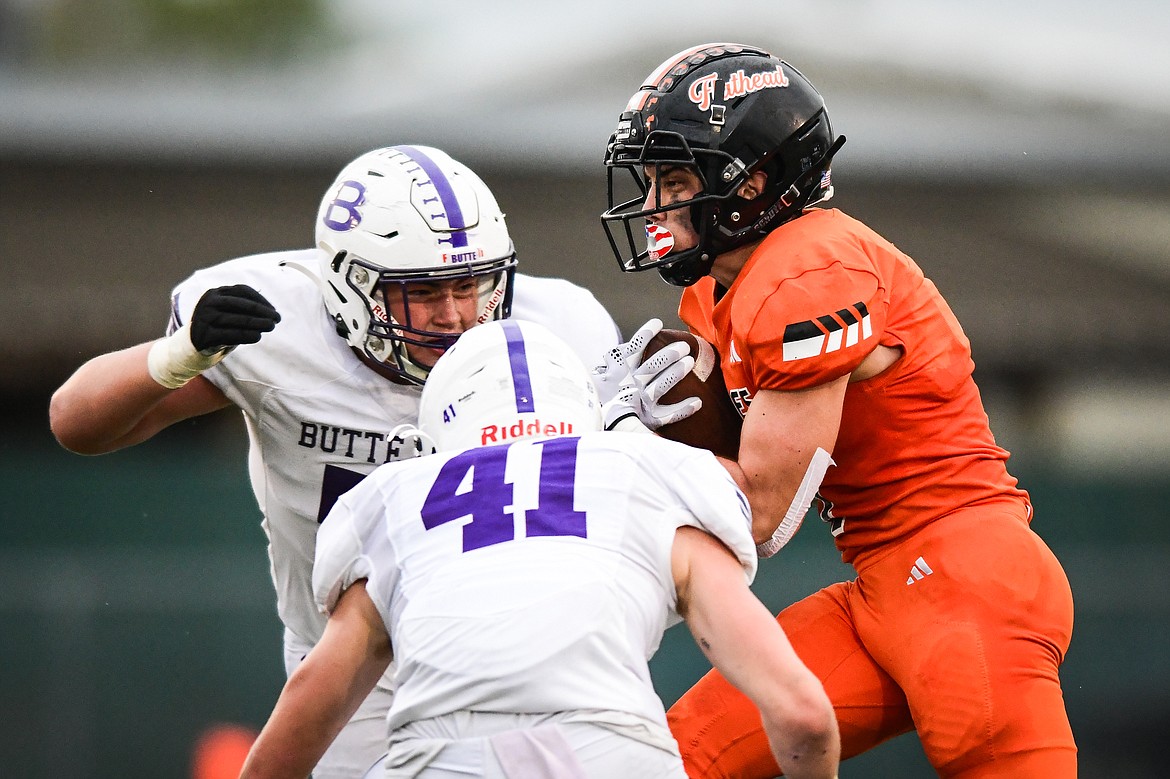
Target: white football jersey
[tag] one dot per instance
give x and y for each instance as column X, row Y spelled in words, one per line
column 318, row 419
column 532, row 577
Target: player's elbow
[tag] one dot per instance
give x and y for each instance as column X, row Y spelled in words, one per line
column 63, row 421
column 769, row 505
column 763, row 525
column 803, row 728
column 68, row 420
column 810, row 724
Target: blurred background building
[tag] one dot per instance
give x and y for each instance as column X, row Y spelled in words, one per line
column 1020, row 152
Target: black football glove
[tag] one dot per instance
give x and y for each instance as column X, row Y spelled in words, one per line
column 226, row 317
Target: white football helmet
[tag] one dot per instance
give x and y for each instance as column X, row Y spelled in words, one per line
column 504, row 381
column 400, row 215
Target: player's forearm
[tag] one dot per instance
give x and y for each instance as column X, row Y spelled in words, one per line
column 770, row 485
column 809, row 758
column 112, row 402
column 770, row 495
column 779, row 485
column 103, row 401
column 784, row 452
column 768, row 492
column 324, row 691
column 744, row 642
column 293, row 740
column 277, row 758
column 318, row 699
column 796, row 713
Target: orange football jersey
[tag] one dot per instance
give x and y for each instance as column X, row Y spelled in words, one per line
column 810, row 304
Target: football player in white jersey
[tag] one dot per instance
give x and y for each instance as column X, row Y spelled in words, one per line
column 325, row 351
column 522, row 578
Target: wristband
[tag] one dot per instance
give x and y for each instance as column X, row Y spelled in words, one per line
column 628, row 423
column 173, row 361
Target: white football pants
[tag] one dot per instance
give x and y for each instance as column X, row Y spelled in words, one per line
column 519, row 746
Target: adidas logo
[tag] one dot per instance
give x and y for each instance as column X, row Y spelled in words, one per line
column 918, row 571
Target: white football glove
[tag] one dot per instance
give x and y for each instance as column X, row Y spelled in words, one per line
column 621, row 360
column 636, row 406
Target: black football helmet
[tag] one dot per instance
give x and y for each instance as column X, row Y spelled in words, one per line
column 724, row 110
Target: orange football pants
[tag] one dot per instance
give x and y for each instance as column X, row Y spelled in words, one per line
column 967, row 655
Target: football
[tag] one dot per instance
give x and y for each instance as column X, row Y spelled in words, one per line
column 716, row 425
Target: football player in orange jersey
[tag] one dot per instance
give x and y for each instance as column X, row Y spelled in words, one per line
column 855, row 384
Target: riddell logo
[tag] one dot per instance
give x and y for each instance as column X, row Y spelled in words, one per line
column 489, row 308
column 493, row 434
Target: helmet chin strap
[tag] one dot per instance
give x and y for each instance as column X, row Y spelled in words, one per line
column 399, row 353
column 688, row 270
column 342, row 328
column 317, row 281
column 380, row 368
column 697, row 262
column 795, row 197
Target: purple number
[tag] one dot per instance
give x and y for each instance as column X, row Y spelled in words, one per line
column 335, row 483
column 489, row 494
column 484, row 502
column 554, row 516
